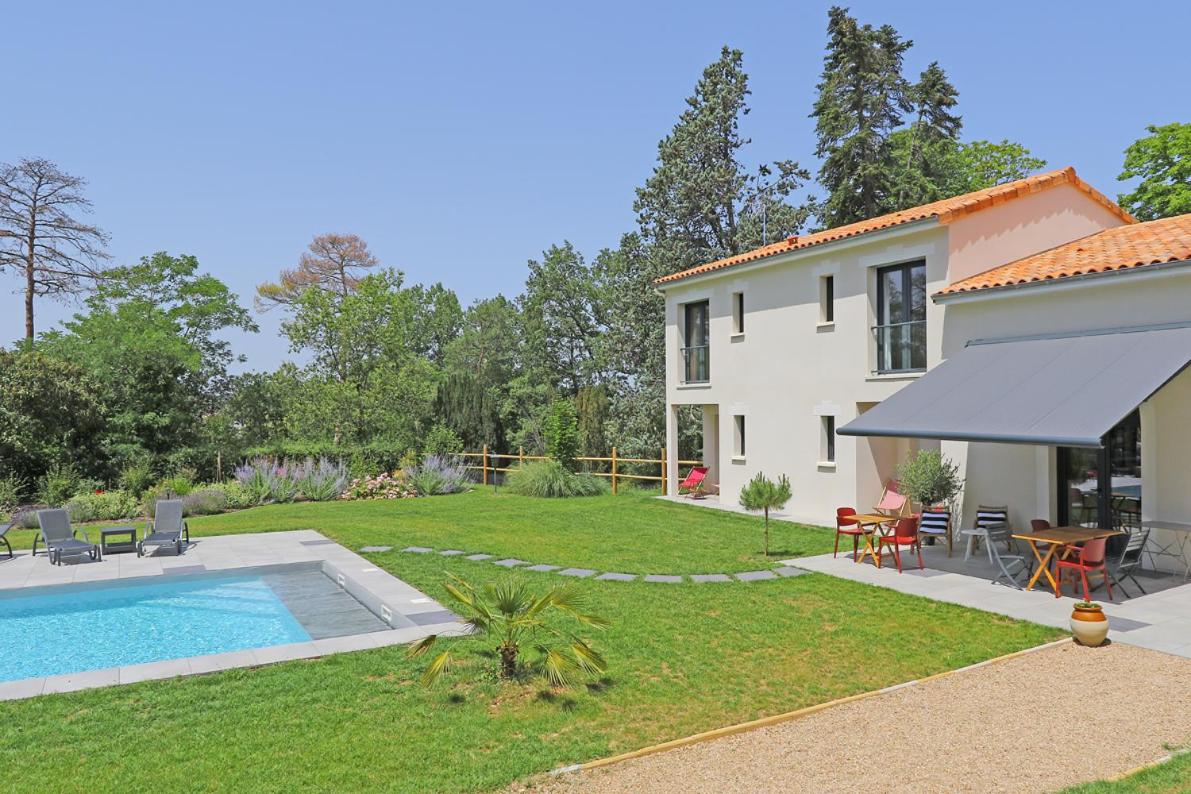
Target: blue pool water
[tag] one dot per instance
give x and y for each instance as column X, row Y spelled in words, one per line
column 89, row 629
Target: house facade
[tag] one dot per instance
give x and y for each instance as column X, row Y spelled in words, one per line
column 782, row 348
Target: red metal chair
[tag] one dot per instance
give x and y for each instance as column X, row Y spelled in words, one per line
column 845, row 524
column 1090, row 560
column 905, row 533
column 693, row 484
column 1039, row 523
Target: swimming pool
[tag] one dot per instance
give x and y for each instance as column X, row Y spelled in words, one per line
column 76, row 630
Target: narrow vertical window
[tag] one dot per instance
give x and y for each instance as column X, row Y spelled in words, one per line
column 738, row 312
column 738, row 447
column 827, row 440
column 827, row 299
column 695, row 361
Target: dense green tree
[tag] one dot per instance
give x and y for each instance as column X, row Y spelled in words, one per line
column 50, row 415
column 591, row 410
column 983, row 164
column 698, row 200
column 471, row 410
column 862, row 96
column 149, row 338
column 923, row 152
column 561, row 319
column 364, row 349
column 1162, row 161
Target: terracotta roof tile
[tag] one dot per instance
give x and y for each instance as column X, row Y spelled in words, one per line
column 945, row 210
column 1120, row 248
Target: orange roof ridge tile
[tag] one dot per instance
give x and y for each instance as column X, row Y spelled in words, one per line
column 944, row 210
column 1120, row 248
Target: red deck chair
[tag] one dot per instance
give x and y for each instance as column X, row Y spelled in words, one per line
column 845, row 524
column 893, row 502
column 693, row 484
column 1090, row 560
column 905, row 533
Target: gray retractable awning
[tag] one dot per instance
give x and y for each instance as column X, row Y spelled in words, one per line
column 1061, row 390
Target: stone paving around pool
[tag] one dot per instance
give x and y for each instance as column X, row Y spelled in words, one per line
column 783, row 571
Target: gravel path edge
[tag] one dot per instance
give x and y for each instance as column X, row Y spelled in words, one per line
column 776, row 719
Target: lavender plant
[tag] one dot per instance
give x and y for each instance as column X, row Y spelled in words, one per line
column 321, row 480
column 439, row 474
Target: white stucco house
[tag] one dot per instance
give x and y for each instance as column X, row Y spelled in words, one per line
column 1034, row 332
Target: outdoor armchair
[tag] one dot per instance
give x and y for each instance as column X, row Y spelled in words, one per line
column 4, row 531
column 846, row 524
column 936, row 523
column 1130, row 560
column 60, row 540
column 1011, row 566
column 166, row 529
column 1091, row 559
column 905, row 533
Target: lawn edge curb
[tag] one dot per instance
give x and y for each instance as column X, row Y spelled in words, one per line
column 777, row 719
column 1143, row 767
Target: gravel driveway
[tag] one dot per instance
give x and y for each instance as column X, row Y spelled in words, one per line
column 1038, row 722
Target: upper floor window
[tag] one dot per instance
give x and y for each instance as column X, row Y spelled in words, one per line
column 737, row 312
column 826, row 299
column 695, row 361
column 901, row 318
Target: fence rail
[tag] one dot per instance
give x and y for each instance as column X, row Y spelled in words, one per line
column 489, row 461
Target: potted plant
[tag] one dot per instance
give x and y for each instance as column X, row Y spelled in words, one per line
column 1089, row 624
column 931, row 480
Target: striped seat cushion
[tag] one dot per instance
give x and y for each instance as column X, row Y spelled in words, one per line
column 934, row 522
column 986, row 515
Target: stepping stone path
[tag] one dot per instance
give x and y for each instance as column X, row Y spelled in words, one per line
column 617, row 577
column 784, row 571
column 755, row 576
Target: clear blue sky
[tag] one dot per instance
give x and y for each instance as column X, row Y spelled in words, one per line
column 461, row 139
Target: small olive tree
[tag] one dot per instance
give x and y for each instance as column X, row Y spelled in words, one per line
column 762, row 493
column 930, row 479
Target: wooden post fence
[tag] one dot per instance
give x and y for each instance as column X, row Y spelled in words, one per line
column 613, row 466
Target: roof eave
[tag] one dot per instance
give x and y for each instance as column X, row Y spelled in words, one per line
column 783, row 257
column 1135, row 273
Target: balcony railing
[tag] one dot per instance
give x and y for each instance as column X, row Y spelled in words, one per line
column 695, row 364
column 901, row 347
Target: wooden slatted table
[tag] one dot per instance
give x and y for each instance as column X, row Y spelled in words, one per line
column 1054, row 539
column 876, row 521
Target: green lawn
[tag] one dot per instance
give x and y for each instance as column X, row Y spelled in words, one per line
column 1172, row 777
column 682, row 658
column 632, row 532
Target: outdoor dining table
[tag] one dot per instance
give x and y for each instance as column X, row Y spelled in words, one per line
column 876, row 521
column 1056, row 539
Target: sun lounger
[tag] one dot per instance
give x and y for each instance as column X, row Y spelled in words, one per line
column 166, row 529
column 60, row 539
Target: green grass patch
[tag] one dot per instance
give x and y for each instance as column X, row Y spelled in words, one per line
column 682, row 659
column 1171, row 777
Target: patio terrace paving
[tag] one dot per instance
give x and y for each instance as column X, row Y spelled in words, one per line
column 1159, row 621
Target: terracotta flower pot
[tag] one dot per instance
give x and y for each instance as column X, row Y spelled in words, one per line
column 1089, row 624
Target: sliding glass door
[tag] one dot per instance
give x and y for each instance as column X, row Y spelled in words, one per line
column 1102, row 487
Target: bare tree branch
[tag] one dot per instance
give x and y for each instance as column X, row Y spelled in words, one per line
column 41, row 236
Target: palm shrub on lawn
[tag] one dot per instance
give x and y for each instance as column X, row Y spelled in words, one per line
column 762, row 493
column 511, row 613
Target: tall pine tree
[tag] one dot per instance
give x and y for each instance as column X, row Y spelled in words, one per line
column 862, row 96
column 923, row 154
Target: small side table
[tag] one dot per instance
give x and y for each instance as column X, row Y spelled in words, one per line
column 115, row 540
